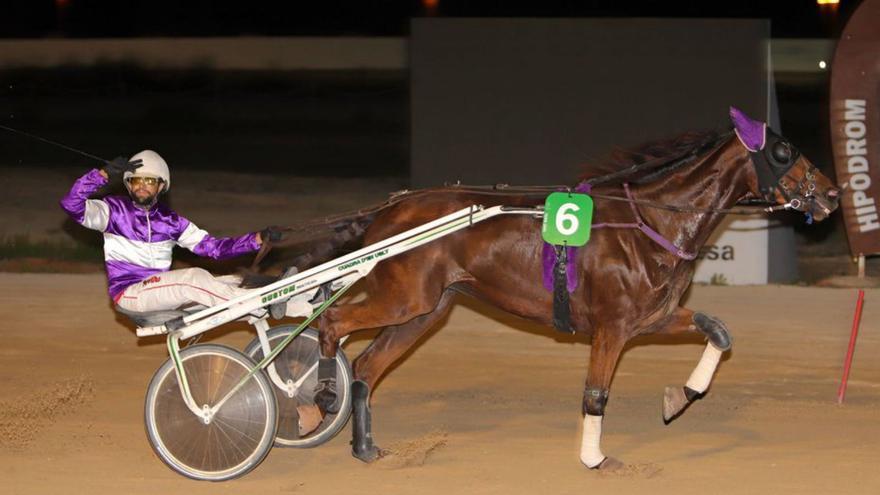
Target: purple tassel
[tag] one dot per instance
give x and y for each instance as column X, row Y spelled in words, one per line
column 548, row 256
column 548, row 259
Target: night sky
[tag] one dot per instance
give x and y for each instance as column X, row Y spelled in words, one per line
column 142, row 18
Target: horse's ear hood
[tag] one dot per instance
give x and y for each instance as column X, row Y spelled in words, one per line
column 751, row 133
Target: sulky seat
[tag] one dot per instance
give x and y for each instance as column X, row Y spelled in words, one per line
column 156, row 318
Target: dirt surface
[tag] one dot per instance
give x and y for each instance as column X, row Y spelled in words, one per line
column 487, row 404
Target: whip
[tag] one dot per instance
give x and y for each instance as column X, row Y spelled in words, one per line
column 53, row 143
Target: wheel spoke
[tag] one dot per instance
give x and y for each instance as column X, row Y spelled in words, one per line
column 234, row 442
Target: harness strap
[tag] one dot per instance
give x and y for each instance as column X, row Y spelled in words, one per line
column 665, row 243
column 646, row 229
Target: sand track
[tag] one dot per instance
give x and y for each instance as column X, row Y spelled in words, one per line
column 479, row 407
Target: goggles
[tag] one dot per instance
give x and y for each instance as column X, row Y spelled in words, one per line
column 148, row 181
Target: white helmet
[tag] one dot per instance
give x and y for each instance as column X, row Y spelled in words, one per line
column 153, row 166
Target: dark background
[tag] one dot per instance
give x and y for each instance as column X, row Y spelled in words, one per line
column 302, row 122
column 137, row 18
column 535, row 101
column 318, row 123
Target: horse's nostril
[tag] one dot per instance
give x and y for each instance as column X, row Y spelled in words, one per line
column 833, row 193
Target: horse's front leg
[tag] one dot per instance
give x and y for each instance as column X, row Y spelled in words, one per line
column 604, row 353
column 677, row 399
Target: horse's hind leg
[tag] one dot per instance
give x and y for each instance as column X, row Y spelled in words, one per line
column 604, row 354
column 677, row 399
column 391, row 343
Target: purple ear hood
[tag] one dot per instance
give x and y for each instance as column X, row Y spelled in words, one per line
column 751, row 133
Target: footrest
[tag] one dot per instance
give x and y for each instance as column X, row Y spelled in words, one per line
column 150, row 331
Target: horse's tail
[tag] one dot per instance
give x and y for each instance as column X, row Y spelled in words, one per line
column 341, row 235
column 311, row 244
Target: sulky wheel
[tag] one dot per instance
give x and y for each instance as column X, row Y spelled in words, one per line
column 237, row 437
column 299, row 358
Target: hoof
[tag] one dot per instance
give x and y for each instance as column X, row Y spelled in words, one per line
column 674, row 403
column 309, row 419
column 368, row 455
column 325, row 399
column 609, row 464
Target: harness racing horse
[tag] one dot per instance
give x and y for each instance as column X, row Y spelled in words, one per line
column 629, row 283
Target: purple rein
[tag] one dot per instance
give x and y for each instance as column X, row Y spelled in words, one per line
column 548, row 254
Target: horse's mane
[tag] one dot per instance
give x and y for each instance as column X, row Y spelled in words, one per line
column 652, row 160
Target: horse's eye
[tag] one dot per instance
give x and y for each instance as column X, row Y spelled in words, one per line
column 781, row 152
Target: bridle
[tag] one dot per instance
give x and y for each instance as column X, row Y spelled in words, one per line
column 773, row 164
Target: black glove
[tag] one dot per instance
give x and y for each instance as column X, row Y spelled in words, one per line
column 272, row 233
column 118, row 166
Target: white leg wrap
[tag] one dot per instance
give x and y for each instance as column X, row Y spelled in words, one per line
column 702, row 374
column 591, row 455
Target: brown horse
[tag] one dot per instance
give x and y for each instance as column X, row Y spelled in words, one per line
column 629, row 283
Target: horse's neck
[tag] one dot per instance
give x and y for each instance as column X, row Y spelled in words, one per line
column 717, row 181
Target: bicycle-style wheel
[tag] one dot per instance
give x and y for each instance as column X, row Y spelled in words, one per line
column 298, row 360
column 240, row 433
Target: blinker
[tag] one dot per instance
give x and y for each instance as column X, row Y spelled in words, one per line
column 772, row 162
column 780, row 154
column 772, row 155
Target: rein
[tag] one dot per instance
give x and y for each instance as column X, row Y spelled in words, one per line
column 265, row 247
column 505, row 189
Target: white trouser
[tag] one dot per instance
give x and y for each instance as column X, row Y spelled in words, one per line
column 190, row 286
column 180, row 288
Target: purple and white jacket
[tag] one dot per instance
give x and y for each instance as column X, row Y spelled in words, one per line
column 137, row 242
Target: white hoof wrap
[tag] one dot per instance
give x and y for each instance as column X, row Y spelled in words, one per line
column 702, row 374
column 591, row 454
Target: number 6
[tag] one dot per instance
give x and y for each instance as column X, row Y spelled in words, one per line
column 567, row 223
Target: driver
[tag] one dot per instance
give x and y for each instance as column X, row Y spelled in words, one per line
column 139, row 234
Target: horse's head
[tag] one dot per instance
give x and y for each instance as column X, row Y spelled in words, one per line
column 784, row 175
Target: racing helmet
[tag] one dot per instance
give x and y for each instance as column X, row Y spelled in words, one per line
column 153, row 166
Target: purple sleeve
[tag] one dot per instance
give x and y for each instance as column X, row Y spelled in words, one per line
column 74, row 203
column 226, row 247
